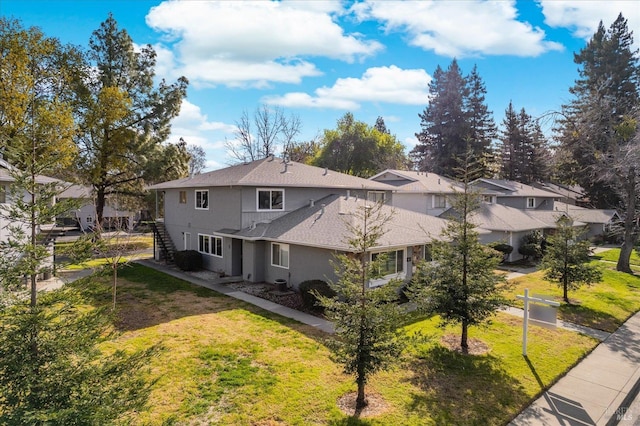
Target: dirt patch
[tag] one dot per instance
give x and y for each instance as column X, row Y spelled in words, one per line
column 376, row 405
column 476, row 346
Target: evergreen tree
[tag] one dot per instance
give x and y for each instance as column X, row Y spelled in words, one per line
column 566, row 260
column 457, row 116
column 606, row 93
column 482, row 127
column 381, row 126
column 366, row 319
column 461, row 284
column 510, row 148
column 125, row 119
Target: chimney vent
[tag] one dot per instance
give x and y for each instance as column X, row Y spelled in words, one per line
column 326, row 171
column 312, row 203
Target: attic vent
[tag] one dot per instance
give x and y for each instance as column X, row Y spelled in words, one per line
column 312, row 203
column 326, row 171
column 322, row 211
column 348, row 194
column 438, row 181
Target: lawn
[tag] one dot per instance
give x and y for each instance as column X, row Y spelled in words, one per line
column 613, row 255
column 227, row 362
column 604, row 306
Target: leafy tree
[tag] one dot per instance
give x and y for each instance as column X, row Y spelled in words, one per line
column 366, row 319
column 267, row 132
column 460, row 284
column 303, row 151
column 125, row 119
column 606, row 94
column 68, row 380
column 197, row 159
column 566, row 261
column 359, row 149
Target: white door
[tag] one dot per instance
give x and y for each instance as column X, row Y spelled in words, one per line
column 186, row 240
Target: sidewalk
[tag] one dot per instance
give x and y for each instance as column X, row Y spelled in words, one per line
column 601, row 390
column 217, row 285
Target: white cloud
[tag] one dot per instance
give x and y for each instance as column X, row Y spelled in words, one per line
column 460, row 28
column 583, row 17
column 241, row 43
column 380, row 84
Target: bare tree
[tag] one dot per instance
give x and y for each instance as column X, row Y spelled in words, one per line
column 273, row 132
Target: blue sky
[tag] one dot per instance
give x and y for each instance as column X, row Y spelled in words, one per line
column 318, row 60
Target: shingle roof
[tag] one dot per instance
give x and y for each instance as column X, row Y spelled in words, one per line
column 5, row 174
column 496, row 217
column 76, row 192
column 512, row 188
column 585, row 215
column 326, row 225
column 274, row 172
column 420, row 182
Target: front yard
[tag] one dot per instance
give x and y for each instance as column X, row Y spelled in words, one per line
column 227, row 362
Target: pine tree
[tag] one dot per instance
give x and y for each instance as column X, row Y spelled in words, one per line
column 381, row 126
column 482, row 127
column 606, row 93
column 366, row 319
column 125, row 119
column 566, row 260
column 461, row 284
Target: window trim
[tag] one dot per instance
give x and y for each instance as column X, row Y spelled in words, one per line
column 531, row 202
column 182, row 197
column 442, row 205
column 213, row 241
column 398, row 274
column 195, row 192
column 287, row 251
column 380, row 196
column 271, row 191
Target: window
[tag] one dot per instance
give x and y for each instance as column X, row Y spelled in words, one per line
column 3, row 194
column 439, row 201
column 392, row 264
column 202, row 199
column 280, row 255
column 270, row 199
column 531, row 203
column 183, row 197
column 491, row 199
column 89, row 219
column 376, row 196
column 210, row 244
column 427, row 253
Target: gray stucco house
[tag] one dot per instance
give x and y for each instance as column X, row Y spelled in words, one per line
column 270, row 220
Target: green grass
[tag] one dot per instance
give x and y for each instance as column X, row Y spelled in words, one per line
column 613, row 255
column 227, row 362
column 604, row 306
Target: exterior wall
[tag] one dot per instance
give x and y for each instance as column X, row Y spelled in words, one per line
column 253, row 260
column 305, row 263
column 542, row 203
column 294, row 199
column 421, row 203
column 511, row 238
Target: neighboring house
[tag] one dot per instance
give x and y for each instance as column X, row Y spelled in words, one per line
column 518, row 195
column 271, row 220
column 85, row 216
column 421, row 192
column 6, row 180
column 569, row 194
column 599, row 221
column 509, row 225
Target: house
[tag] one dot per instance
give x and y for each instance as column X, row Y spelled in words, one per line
column 422, row 192
column 514, row 194
column 271, row 220
column 84, row 217
column 599, row 221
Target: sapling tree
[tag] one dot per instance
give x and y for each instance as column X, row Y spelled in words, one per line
column 366, row 319
column 460, row 284
column 566, row 261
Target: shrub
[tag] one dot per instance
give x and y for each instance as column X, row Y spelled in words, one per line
column 188, row 260
column 503, row 248
column 530, row 250
column 309, row 300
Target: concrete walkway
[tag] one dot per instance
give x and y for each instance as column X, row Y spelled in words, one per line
column 601, row 390
column 218, row 285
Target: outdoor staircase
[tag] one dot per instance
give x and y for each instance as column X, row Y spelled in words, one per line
column 167, row 247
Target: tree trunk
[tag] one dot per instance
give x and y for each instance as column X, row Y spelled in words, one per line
column 464, row 341
column 565, row 289
column 100, row 201
column 361, row 401
column 629, row 225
